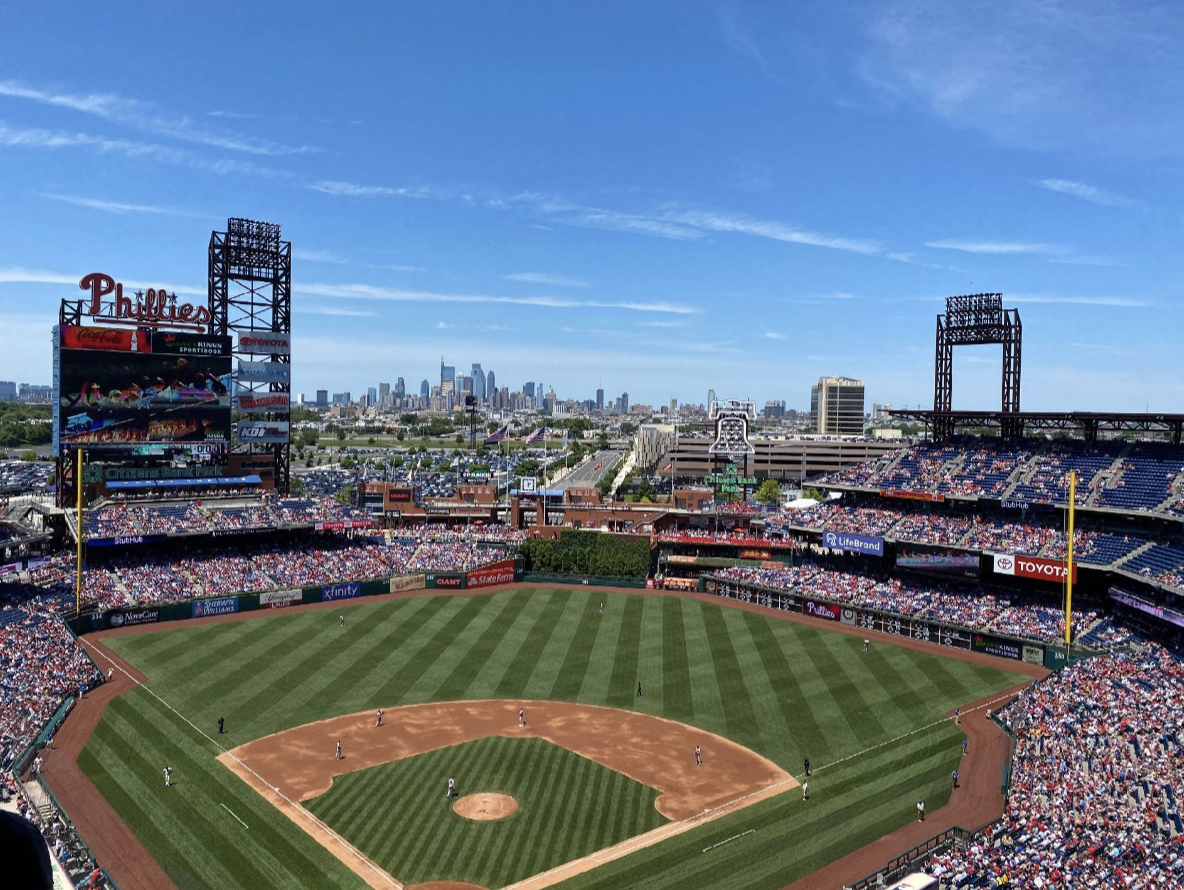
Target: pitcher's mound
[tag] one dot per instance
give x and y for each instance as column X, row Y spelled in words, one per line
column 484, row 807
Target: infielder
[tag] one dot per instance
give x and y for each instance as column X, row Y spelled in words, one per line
column 805, row 790
column 451, row 786
column 337, row 756
column 521, row 717
column 698, row 756
column 378, row 717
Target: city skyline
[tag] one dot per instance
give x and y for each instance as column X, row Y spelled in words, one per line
column 740, row 197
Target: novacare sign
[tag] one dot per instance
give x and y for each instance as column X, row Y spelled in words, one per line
column 865, row 544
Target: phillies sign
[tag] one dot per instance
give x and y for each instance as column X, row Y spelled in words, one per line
column 154, row 307
column 1032, row 567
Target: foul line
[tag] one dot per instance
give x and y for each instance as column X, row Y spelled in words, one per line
column 346, row 844
column 240, row 821
column 729, row 840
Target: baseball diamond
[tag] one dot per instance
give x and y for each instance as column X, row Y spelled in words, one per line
column 720, row 675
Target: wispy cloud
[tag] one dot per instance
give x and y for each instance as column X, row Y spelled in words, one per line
column 393, row 267
column 342, row 189
column 1086, row 192
column 442, row 326
column 318, row 256
column 1085, row 261
column 35, row 138
column 997, row 247
column 335, row 310
column 778, row 231
column 143, row 116
column 371, row 292
column 774, row 335
column 737, row 39
column 19, row 275
column 117, row 206
column 1100, row 75
column 1079, row 300
column 662, row 324
column 546, row 278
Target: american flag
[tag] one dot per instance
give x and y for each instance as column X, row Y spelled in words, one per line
column 564, row 445
column 536, row 436
column 495, row 438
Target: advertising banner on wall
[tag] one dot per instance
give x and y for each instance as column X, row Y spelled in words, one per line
column 263, row 432
column 264, row 343
column 1035, row 567
column 868, row 545
column 278, row 599
column 180, row 343
column 125, row 541
column 943, row 563
column 445, row 581
column 348, row 591
column 826, row 611
column 501, row 572
column 995, row 646
column 263, row 403
column 263, row 372
column 130, row 619
column 223, row 605
column 343, row 525
column 400, row 583
column 72, row 336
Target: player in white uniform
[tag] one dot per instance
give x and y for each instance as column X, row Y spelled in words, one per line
column 378, row 717
column 337, row 756
column 698, row 756
column 168, row 777
column 451, row 786
column 521, row 717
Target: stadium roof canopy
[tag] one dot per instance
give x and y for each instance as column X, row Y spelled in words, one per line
column 1087, row 423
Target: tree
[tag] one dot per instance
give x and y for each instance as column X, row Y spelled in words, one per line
column 347, row 463
column 628, row 429
column 645, row 491
column 341, row 435
column 400, row 435
column 769, row 492
column 296, row 487
column 309, row 438
column 28, row 456
column 813, row 494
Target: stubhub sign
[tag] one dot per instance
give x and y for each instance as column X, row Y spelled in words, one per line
column 868, row 545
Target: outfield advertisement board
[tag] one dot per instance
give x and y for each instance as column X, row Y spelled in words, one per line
column 869, row 545
column 263, row 403
column 125, row 541
column 279, row 599
column 436, row 579
column 400, row 583
column 263, row 372
column 950, row 564
column 825, row 611
column 996, row 646
column 131, row 618
column 223, row 605
column 343, row 525
column 348, row 591
column 501, row 572
column 1035, row 567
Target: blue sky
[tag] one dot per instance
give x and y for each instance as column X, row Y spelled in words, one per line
column 659, row 197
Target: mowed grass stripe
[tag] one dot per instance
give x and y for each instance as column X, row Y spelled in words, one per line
column 802, row 728
column 486, row 611
column 457, row 683
column 705, row 692
column 542, row 677
column 676, row 670
column 625, row 676
column 598, row 675
column 733, row 690
column 771, row 725
column 519, row 669
column 842, row 689
column 570, row 676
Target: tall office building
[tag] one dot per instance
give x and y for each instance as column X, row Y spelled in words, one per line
column 322, row 398
column 710, row 398
column 836, row 406
column 624, row 403
column 600, row 399
column 7, row 390
column 478, row 388
column 372, row 396
column 447, row 383
column 400, row 388
column 490, row 385
column 384, row 395
column 528, row 389
column 425, row 389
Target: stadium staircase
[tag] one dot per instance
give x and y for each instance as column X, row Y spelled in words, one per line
column 1136, row 552
column 36, row 795
column 1022, row 474
column 1110, row 477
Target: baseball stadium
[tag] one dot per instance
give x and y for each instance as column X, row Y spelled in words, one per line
column 956, row 667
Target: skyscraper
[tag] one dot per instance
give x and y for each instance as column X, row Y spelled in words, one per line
column 384, row 395
column 371, row 396
column 400, row 388
column 836, row 406
column 528, row 389
column 322, row 398
column 600, row 399
column 478, row 382
column 490, row 385
column 425, row 389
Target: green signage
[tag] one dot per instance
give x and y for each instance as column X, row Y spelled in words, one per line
column 730, row 481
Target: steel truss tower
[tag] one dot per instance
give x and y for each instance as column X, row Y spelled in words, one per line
column 250, row 283
column 977, row 319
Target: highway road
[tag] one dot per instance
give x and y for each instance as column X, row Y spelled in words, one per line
column 589, row 474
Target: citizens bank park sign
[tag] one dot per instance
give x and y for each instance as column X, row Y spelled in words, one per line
column 1031, row 567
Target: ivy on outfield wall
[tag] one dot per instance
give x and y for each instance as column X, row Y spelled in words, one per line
column 589, row 553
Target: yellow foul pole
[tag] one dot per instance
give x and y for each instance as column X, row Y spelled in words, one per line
column 78, row 536
column 1069, row 566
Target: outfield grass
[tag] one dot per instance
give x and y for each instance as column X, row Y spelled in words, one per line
column 568, row 807
column 785, row 690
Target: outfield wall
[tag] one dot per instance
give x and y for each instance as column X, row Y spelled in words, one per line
column 954, row 636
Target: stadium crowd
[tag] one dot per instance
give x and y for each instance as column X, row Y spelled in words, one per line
column 1097, row 776
column 970, row 606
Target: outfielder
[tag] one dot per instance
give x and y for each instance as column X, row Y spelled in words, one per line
column 451, row 786
column 168, row 777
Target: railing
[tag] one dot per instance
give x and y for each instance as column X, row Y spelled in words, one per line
column 896, row 866
column 77, row 843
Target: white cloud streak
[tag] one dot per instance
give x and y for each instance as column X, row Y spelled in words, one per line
column 997, row 247
column 335, row 310
column 117, row 206
column 341, row 189
column 18, row 275
column 1086, row 192
column 142, row 116
column 545, row 278
column 777, row 231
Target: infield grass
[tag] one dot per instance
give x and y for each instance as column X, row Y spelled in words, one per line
column 783, row 689
column 568, row 807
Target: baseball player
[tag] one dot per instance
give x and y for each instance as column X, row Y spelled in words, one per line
column 805, row 790
column 341, row 618
column 806, row 766
column 698, row 756
column 639, row 689
column 920, row 811
column 168, row 777
column 451, row 786
column 378, row 718
column 866, row 643
column 521, row 717
column 221, row 723
column 602, row 608
column 963, row 746
column 954, row 776
column 337, row 756
column 957, row 717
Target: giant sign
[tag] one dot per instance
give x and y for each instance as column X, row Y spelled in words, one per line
column 501, row 572
column 1032, row 567
column 153, row 307
column 263, row 432
column 869, row 545
column 265, row 343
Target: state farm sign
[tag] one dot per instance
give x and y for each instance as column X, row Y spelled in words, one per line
column 1032, row 567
